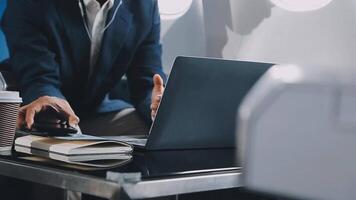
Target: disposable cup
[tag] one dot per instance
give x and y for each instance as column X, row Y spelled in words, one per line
column 9, row 107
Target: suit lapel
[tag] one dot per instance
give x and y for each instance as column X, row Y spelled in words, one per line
column 113, row 40
column 76, row 33
column 112, row 43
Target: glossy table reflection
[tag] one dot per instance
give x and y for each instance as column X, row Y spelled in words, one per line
column 148, row 175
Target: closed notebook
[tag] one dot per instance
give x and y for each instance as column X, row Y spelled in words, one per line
column 83, row 152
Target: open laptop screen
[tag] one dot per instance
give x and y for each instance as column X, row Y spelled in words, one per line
column 199, row 106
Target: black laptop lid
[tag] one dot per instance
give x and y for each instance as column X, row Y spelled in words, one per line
column 198, row 109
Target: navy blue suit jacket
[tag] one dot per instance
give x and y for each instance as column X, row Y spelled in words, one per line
column 49, row 52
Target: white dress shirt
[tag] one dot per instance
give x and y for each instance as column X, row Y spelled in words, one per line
column 96, row 16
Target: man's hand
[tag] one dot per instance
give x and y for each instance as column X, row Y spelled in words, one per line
column 157, row 93
column 27, row 113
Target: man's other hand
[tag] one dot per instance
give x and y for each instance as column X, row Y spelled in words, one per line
column 157, row 93
column 27, row 113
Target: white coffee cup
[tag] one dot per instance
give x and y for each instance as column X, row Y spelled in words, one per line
column 9, row 107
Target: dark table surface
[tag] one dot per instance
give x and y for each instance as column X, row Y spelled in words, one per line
column 155, row 164
column 151, row 164
column 160, row 173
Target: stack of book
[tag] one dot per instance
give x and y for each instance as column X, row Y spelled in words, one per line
column 84, row 150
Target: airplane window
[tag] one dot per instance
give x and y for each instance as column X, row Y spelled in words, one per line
column 301, row 5
column 173, row 9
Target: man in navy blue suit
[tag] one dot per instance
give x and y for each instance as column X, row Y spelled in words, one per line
column 71, row 55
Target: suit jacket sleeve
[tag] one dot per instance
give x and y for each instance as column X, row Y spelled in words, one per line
column 146, row 63
column 31, row 57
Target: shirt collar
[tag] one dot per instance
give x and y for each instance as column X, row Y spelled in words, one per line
column 109, row 2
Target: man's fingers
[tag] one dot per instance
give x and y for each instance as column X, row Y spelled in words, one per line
column 156, row 99
column 153, row 114
column 30, row 115
column 158, row 82
column 155, row 102
column 20, row 119
column 154, row 106
column 72, row 118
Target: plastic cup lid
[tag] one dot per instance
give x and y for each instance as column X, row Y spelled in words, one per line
column 10, row 97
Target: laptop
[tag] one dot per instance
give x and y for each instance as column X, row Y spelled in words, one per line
column 199, row 105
